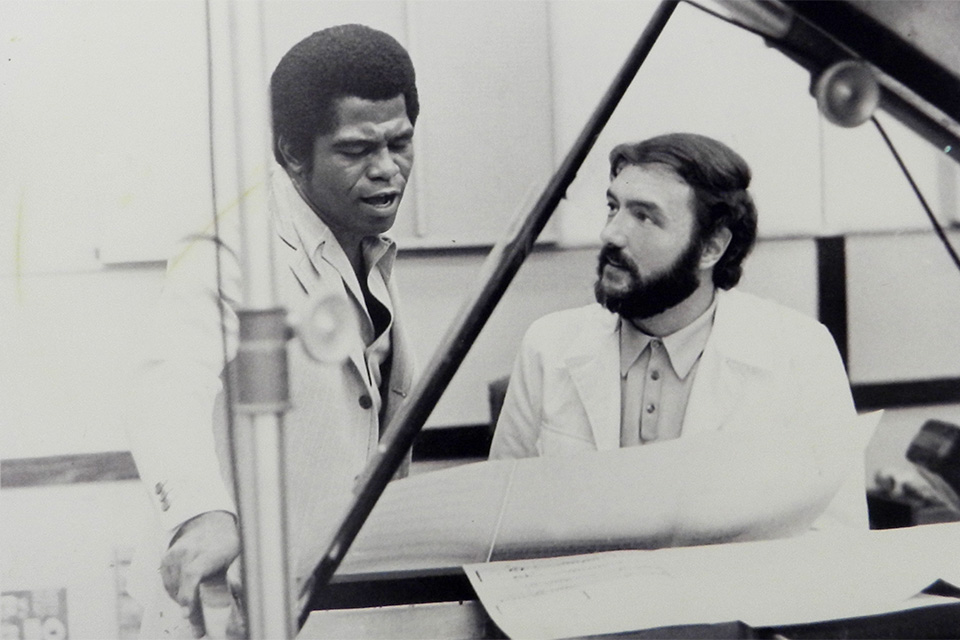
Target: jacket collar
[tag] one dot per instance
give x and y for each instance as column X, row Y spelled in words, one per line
column 738, row 345
column 735, row 332
column 300, row 228
column 594, row 366
column 313, row 249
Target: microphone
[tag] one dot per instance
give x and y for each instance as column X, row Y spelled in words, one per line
column 847, row 93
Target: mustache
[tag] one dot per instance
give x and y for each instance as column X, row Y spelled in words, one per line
column 610, row 254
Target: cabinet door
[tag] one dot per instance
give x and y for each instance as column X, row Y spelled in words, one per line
column 484, row 138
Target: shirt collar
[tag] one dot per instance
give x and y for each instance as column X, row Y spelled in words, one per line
column 683, row 346
column 317, row 238
column 380, row 250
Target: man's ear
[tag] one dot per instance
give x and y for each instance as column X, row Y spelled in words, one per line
column 714, row 248
column 293, row 163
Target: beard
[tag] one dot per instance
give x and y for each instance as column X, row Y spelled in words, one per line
column 647, row 298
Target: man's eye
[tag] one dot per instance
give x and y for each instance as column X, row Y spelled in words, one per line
column 353, row 152
column 400, row 146
column 611, row 209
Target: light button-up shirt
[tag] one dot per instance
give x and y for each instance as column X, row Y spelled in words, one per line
column 656, row 376
column 379, row 254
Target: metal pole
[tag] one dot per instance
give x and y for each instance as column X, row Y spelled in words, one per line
column 261, row 393
column 501, row 265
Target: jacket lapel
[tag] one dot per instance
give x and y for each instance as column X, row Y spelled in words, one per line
column 596, row 376
column 731, row 357
column 716, row 391
column 306, row 274
column 290, row 252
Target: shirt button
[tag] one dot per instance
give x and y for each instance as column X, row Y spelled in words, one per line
column 655, row 344
column 159, row 488
column 655, row 375
column 366, row 401
column 651, row 408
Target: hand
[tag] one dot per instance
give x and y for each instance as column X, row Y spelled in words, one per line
column 205, row 546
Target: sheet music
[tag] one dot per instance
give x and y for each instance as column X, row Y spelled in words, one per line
column 813, row 577
column 716, row 487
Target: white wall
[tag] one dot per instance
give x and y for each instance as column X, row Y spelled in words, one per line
column 78, row 538
column 103, row 129
column 904, row 307
column 66, row 346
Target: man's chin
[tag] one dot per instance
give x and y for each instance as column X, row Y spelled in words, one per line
column 607, row 297
column 381, row 224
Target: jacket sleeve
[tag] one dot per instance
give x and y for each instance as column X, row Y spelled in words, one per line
column 518, row 426
column 825, row 402
column 177, row 379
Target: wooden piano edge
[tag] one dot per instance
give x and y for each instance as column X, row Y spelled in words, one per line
column 441, row 603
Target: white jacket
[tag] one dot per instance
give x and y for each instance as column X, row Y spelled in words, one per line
column 764, row 367
column 331, row 430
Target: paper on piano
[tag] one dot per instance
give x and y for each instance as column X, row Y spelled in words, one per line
column 821, row 575
column 718, row 487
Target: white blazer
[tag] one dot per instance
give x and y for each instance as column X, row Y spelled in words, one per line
column 177, row 425
column 764, row 367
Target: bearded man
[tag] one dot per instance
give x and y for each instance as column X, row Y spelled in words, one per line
column 672, row 349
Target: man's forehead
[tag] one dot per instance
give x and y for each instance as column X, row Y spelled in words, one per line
column 373, row 131
column 652, row 176
column 360, row 118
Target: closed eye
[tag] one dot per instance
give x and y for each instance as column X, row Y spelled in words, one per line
column 401, row 144
column 353, row 150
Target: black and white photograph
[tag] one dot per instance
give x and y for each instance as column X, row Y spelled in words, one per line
column 546, row 319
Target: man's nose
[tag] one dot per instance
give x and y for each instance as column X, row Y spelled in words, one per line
column 612, row 232
column 383, row 165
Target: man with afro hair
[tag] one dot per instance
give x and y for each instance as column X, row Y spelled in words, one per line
column 344, row 105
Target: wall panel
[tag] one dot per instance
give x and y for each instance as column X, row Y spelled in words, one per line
column 904, row 308
column 484, row 142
